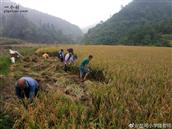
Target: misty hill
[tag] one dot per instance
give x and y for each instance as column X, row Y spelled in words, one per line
column 36, row 26
column 141, row 22
column 85, row 29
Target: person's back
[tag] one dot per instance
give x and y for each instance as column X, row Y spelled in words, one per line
column 67, row 57
column 32, row 83
column 28, row 85
column 84, row 62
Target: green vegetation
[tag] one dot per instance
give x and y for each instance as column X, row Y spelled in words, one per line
column 168, row 37
column 5, row 59
column 4, row 64
column 142, row 22
column 6, row 118
column 5, row 121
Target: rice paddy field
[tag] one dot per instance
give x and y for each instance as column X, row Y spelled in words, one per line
column 128, row 87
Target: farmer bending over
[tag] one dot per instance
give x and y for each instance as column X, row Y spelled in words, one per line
column 14, row 55
column 84, row 70
column 26, row 87
column 45, row 56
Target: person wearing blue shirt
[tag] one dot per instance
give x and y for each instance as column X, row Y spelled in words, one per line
column 61, row 55
column 26, row 87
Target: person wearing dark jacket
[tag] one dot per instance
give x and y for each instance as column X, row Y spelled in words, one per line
column 61, row 55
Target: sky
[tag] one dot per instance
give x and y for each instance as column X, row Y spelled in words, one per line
column 82, row 13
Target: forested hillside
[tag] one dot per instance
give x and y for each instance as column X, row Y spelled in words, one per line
column 141, row 22
column 35, row 26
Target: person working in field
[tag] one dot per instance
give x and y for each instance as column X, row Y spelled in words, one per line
column 60, row 55
column 26, row 87
column 69, row 59
column 45, row 56
column 14, row 55
column 83, row 68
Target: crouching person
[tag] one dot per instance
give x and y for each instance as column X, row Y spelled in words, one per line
column 45, row 56
column 14, row 55
column 84, row 70
column 26, row 87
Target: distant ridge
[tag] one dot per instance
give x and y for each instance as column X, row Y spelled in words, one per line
column 36, row 26
column 141, row 22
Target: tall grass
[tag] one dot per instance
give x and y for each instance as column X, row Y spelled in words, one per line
column 6, row 121
column 4, row 64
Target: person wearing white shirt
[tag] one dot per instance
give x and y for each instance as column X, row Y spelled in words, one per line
column 14, row 55
column 68, row 60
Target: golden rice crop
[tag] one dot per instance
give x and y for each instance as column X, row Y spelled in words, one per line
column 138, row 89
